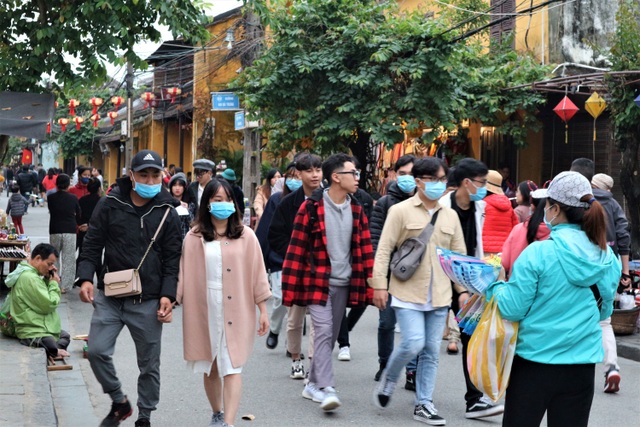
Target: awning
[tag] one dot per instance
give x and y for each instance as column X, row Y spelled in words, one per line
column 26, row 114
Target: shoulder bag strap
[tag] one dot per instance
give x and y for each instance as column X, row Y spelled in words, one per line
column 153, row 239
column 428, row 231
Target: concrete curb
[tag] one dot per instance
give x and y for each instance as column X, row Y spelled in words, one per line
column 629, row 346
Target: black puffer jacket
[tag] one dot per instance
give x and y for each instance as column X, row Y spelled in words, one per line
column 27, row 182
column 124, row 233
column 379, row 215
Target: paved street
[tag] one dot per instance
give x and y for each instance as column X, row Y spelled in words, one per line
column 268, row 393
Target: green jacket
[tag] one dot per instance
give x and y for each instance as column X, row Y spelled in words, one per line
column 33, row 303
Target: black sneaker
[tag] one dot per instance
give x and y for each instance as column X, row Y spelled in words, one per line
column 411, row 381
column 428, row 414
column 483, row 407
column 383, row 392
column 143, row 422
column 119, row 412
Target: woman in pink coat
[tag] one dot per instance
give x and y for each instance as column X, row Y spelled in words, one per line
column 222, row 279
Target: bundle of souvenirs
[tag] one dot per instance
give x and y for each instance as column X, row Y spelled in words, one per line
column 475, row 275
column 13, row 252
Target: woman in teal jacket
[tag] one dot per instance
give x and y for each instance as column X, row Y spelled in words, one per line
column 550, row 293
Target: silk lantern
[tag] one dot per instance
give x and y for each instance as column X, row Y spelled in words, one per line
column 173, row 92
column 116, row 101
column 595, row 105
column 147, row 97
column 73, row 103
column 63, row 122
column 79, row 120
column 94, row 118
column 566, row 110
column 96, row 102
column 112, row 115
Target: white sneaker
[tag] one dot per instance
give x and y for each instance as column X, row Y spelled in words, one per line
column 344, row 354
column 297, row 370
column 312, row 392
column 330, row 401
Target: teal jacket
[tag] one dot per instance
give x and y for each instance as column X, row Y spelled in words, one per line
column 33, row 303
column 548, row 293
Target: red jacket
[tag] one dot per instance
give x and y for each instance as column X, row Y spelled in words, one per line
column 499, row 219
column 517, row 242
column 79, row 190
column 307, row 267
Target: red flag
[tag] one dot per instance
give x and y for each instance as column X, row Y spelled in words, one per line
column 27, row 156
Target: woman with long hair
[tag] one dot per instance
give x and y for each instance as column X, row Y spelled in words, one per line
column 524, row 200
column 524, row 234
column 264, row 192
column 559, row 290
column 222, row 280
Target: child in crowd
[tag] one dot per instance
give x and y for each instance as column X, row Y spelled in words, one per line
column 16, row 208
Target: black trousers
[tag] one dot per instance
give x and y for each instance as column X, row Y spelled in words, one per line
column 347, row 324
column 564, row 392
column 473, row 394
column 49, row 343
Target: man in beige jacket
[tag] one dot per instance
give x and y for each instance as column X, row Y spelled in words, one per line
column 422, row 302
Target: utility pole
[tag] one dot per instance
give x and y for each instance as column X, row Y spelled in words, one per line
column 128, row 152
column 252, row 157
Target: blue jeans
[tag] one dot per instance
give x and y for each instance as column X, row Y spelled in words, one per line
column 386, row 330
column 420, row 335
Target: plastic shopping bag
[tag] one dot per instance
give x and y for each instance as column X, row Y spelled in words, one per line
column 491, row 350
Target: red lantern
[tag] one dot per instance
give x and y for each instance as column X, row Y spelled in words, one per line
column 55, row 104
column 49, row 127
column 173, row 92
column 147, row 97
column 112, row 115
column 566, row 110
column 79, row 120
column 94, row 119
column 116, row 101
column 73, row 103
column 96, row 102
column 63, row 122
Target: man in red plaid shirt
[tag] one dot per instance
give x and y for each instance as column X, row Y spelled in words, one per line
column 326, row 268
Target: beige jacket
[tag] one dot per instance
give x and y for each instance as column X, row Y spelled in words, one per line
column 244, row 285
column 260, row 202
column 407, row 219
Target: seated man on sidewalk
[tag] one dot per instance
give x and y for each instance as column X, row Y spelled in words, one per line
column 35, row 297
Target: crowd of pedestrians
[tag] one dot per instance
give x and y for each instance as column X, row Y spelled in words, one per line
column 322, row 251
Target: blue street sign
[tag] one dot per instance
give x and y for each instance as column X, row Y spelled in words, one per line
column 238, row 120
column 221, row 101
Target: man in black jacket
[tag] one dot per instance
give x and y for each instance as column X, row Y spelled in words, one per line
column 123, row 224
column 27, row 182
column 309, row 170
column 203, row 171
column 397, row 191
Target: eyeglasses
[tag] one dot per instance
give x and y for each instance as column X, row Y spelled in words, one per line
column 200, row 172
column 429, row 178
column 482, row 183
column 355, row 173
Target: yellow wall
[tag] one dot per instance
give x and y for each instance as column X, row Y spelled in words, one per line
column 537, row 38
column 212, row 73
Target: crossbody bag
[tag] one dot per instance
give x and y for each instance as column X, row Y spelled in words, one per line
column 406, row 260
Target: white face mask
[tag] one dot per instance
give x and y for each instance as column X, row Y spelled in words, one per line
column 549, row 223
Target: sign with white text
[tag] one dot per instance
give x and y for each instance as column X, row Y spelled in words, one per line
column 224, row 101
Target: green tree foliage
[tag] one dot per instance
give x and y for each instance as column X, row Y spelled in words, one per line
column 334, row 70
column 625, row 56
column 71, row 40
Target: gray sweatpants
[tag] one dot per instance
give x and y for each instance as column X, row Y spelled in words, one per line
column 66, row 246
column 278, row 311
column 110, row 316
column 326, row 323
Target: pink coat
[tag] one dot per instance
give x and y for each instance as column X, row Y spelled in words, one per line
column 517, row 242
column 244, row 285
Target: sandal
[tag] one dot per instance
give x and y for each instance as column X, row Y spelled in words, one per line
column 452, row 348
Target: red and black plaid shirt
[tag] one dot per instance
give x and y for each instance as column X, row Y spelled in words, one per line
column 307, row 267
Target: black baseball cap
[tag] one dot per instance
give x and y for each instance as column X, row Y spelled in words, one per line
column 146, row 159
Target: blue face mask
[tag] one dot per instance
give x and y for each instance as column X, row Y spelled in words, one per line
column 222, row 210
column 481, row 193
column 549, row 224
column 406, row 183
column 293, row 184
column 146, row 191
column 84, row 180
column 434, row 190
